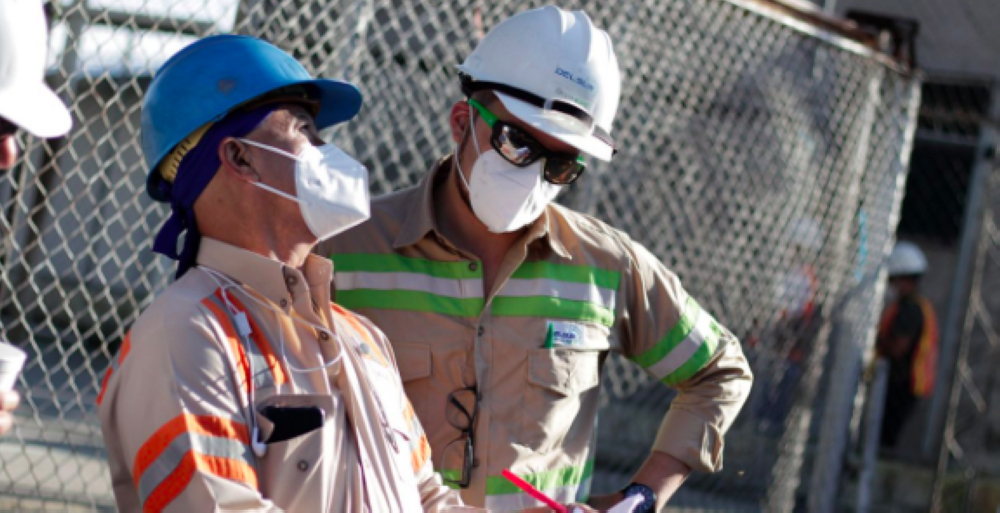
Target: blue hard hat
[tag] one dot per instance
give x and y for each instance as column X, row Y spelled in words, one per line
column 209, row 78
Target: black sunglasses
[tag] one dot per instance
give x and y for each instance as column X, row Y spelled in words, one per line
column 460, row 418
column 521, row 149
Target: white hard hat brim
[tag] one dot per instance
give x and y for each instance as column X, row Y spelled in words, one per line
column 36, row 109
column 535, row 117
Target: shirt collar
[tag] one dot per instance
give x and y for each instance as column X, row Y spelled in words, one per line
column 420, row 219
column 420, row 216
column 547, row 235
column 277, row 282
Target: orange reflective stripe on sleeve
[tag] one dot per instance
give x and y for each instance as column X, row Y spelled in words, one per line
column 420, row 448
column 409, row 414
column 191, row 463
column 242, row 362
column 187, row 444
column 116, row 362
column 104, row 386
column 126, row 347
column 420, row 452
column 264, row 346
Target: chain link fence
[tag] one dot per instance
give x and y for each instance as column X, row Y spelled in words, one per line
column 963, row 423
column 762, row 157
column 968, row 476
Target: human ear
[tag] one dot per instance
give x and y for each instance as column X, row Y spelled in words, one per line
column 459, row 120
column 235, row 158
column 8, row 151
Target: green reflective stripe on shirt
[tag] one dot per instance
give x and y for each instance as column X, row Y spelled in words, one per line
column 410, row 300
column 675, row 336
column 700, row 358
column 547, row 480
column 361, row 280
column 552, row 307
column 572, row 273
column 382, row 263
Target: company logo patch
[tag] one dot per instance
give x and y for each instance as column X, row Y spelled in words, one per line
column 563, row 334
column 580, row 81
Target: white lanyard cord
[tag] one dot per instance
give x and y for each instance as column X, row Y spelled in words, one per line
column 243, row 329
column 215, row 275
column 281, row 333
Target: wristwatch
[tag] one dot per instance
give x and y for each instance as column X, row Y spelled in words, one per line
column 648, row 504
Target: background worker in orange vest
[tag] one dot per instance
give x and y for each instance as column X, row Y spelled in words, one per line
column 25, row 103
column 907, row 338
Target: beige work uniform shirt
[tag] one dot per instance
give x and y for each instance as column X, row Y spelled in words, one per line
column 175, row 412
column 571, row 290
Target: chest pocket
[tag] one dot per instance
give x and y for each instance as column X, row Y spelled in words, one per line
column 562, row 389
column 315, row 457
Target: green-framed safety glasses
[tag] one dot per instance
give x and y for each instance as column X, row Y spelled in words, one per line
column 518, row 147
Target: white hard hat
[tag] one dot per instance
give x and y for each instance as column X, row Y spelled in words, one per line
column 554, row 70
column 25, row 100
column 907, row 260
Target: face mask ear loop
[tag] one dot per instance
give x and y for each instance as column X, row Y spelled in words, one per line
column 272, row 149
column 458, row 159
column 272, row 190
column 472, row 126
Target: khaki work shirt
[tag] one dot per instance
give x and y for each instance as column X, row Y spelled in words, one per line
column 174, row 405
column 569, row 292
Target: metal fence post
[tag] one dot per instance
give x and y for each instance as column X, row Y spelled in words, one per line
column 873, row 430
column 850, row 348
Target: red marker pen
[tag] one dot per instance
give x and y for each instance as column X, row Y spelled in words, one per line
column 534, row 492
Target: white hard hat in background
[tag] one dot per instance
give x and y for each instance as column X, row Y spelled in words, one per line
column 907, row 260
column 25, row 100
column 566, row 66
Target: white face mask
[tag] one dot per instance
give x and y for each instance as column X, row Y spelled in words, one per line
column 331, row 188
column 503, row 196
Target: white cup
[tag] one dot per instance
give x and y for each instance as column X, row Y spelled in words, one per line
column 11, row 362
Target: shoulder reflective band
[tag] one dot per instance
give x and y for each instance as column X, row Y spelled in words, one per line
column 470, row 86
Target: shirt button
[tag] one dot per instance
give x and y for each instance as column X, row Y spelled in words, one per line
column 291, row 281
column 324, row 335
column 481, row 330
column 303, row 465
column 473, row 266
column 283, row 303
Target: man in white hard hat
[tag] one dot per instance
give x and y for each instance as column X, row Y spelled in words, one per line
column 502, row 306
column 907, row 338
column 25, row 103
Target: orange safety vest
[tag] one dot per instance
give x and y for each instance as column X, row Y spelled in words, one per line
column 924, row 363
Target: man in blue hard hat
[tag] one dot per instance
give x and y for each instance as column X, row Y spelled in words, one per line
column 25, row 103
column 242, row 386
